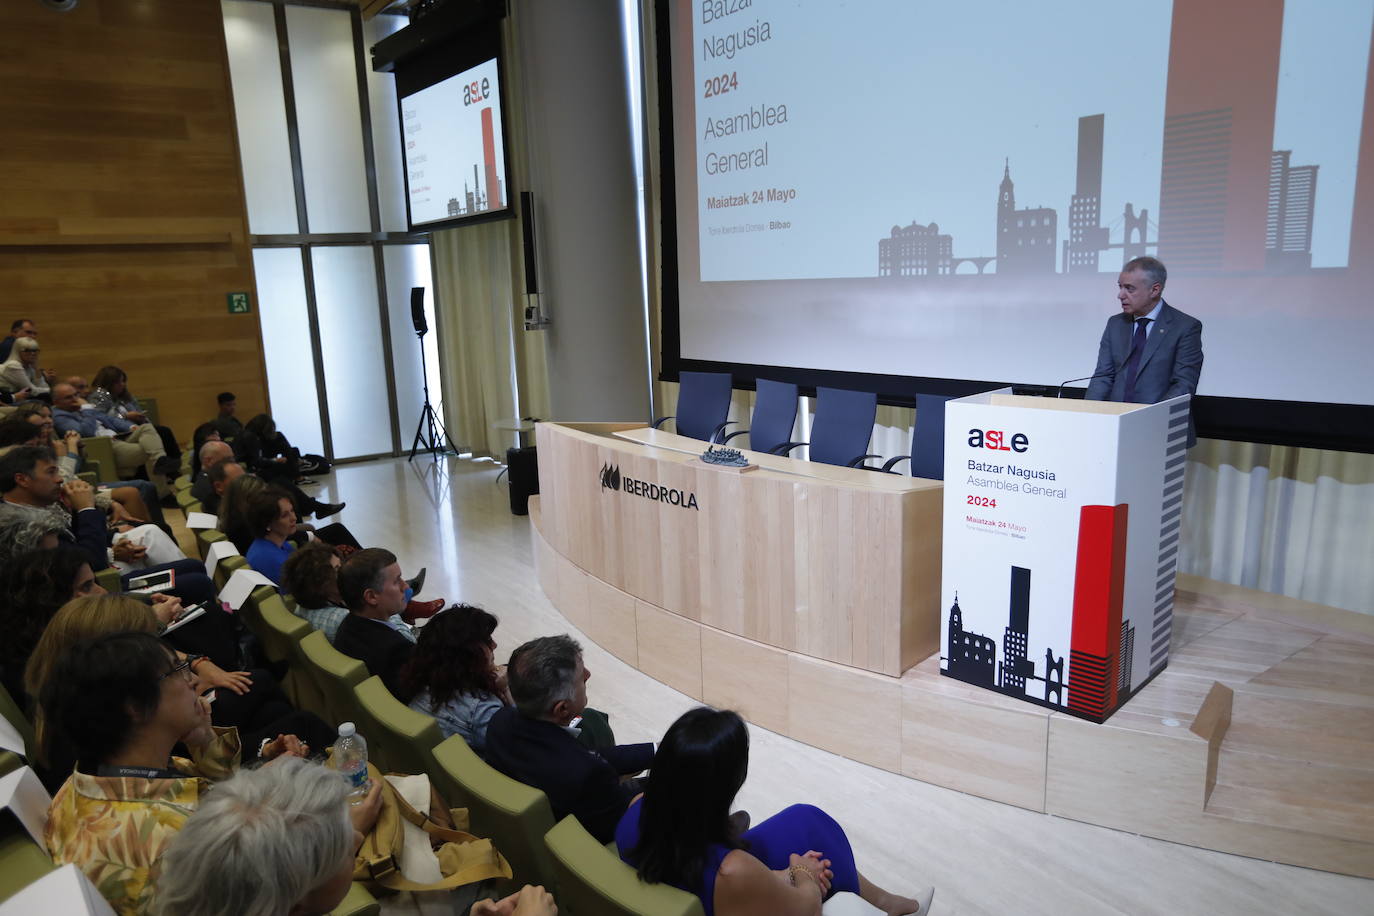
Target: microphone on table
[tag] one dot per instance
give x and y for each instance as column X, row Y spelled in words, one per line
column 1060, row 392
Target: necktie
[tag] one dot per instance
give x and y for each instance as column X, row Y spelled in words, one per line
column 1133, row 360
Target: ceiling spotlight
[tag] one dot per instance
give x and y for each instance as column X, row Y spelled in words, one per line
column 60, row 6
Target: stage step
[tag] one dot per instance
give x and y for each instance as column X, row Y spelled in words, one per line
column 1305, row 766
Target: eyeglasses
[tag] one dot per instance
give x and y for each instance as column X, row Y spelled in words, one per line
column 184, row 668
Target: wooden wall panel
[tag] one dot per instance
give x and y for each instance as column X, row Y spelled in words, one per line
column 122, row 221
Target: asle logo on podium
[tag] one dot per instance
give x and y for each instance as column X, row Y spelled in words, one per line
column 611, row 480
column 998, row 441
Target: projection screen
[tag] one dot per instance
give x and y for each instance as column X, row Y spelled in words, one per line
column 947, row 191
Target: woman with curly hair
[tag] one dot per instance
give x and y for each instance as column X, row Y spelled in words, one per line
column 453, row 675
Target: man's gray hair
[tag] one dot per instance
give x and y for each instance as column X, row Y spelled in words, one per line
column 1152, row 268
column 542, row 672
column 260, row 841
column 207, row 452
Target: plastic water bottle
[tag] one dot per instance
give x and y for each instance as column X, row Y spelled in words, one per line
column 350, row 759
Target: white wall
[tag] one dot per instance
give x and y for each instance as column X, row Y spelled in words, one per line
column 581, row 171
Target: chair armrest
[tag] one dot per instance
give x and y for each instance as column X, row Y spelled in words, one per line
column 860, row 460
column 785, row 448
column 661, row 420
column 718, row 430
column 738, row 432
column 893, row 462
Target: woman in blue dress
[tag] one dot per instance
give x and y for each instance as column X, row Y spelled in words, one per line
column 680, row 832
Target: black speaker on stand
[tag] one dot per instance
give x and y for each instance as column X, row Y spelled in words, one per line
column 430, row 432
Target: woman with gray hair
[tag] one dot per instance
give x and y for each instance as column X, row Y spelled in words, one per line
column 275, row 841
column 21, row 370
column 22, row 532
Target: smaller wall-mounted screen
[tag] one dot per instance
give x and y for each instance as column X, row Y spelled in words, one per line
column 455, row 148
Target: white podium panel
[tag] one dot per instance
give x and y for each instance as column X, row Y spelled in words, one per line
column 1061, row 530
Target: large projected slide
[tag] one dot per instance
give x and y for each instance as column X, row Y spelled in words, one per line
column 949, row 190
column 455, row 164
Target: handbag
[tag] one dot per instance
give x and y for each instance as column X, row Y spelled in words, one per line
column 463, row 858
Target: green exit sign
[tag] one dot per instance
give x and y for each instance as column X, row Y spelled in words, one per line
column 238, row 303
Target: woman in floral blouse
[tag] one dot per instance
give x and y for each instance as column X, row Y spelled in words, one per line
column 123, row 701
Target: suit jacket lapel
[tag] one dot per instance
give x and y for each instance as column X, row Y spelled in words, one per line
column 1156, row 338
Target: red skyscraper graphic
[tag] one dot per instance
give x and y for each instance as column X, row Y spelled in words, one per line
column 1219, row 134
column 494, row 200
column 1099, row 579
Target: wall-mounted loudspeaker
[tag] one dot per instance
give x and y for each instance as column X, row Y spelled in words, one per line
column 527, row 224
column 417, row 309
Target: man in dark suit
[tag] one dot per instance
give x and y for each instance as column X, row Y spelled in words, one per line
column 371, row 585
column 1151, row 352
column 534, row 741
column 218, row 474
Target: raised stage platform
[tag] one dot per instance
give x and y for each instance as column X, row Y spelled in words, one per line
column 1258, row 739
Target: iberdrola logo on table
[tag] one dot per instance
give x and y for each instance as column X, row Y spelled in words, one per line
column 611, row 480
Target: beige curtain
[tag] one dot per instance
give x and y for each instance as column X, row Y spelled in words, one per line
column 493, row 370
column 1291, row 521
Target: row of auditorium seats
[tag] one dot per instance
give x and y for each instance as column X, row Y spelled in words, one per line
column 585, row 877
column 840, row 432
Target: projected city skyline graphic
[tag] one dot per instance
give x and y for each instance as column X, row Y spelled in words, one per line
column 1228, row 200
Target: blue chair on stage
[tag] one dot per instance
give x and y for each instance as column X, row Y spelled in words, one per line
column 842, row 428
column 703, row 403
column 775, row 413
column 927, row 439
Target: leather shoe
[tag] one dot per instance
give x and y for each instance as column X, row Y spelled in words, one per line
column 418, row 582
column 325, row 509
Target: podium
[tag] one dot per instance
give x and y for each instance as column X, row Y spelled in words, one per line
column 1061, row 537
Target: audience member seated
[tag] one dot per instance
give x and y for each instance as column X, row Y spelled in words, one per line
column 240, row 530
column 135, row 446
column 251, row 701
column 22, row 327
column 82, row 388
column 311, row 576
column 122, row 702
column 31, row 485
column 453, row 674
column 214, row 480
column 229, row 425
column 272, row 518
column 204, row 434
column 531, row 742
column 20, row 372
column 34, row 583
column 681, row 832
column 275, row 841
column 41, row 576
column 266, row 451
column 233, row 510
column 111, row 396
column 132, row 501
column 372, row 588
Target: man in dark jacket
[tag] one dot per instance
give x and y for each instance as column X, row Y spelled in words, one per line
column 371, row 585
column 534, row 742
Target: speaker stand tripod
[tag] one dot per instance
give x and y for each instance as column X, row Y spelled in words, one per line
column 430, row 432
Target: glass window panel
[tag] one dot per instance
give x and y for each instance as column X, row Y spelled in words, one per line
column 286, row 346
column 407, row 266
column 351, row 342
column 386, row 130
column 255, row 74
column 324, row 73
